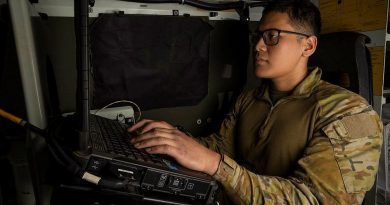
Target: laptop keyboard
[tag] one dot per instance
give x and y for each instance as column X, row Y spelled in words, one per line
column 117, row 140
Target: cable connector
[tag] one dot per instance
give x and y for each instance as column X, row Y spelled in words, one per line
column 116, row 113
column 91, row 178
column 112, row 184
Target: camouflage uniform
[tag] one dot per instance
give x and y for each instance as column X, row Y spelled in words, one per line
column 319, row 145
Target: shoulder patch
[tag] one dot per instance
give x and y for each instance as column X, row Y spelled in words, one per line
column 361, row 125
column 356, row 142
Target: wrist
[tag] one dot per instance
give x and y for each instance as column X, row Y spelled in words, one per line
column 214, row 161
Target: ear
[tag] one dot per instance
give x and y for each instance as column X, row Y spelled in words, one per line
column 310, row 46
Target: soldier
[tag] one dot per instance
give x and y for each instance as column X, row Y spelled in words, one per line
column 295, row 139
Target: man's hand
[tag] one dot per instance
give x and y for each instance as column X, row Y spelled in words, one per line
column 163, row 138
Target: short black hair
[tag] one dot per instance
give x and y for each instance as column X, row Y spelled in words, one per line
column 302, row 13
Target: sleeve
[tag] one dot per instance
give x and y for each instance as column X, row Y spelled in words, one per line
column 338, row 166
column 223, row 140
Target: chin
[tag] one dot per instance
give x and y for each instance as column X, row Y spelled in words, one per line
column 262, row 72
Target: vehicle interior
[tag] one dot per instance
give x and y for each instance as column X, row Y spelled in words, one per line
column 183, row 62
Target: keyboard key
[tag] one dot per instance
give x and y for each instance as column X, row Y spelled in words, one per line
column 116, row 140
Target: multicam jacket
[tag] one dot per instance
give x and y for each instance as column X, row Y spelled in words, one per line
column 319, row 145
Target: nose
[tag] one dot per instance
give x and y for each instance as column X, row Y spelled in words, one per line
column 260, row 45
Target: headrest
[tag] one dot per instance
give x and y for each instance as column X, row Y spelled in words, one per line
column 345, row 61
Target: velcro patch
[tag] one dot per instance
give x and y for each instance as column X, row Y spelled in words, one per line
column 360, row 125
column 356, row 142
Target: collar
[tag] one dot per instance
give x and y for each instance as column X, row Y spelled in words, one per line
column 303, row 89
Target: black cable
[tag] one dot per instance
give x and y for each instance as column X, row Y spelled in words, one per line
column 258, row 4
column 208, row 5
column 54, row 155
column 62, row 158
column 113, row 184
column 53, row 133
column 215, row 6
column 49, row 135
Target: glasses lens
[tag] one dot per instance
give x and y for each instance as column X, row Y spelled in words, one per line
column 271, row 37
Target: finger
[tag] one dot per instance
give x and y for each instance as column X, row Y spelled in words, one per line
column 157, row 124
column 156, row 141
column 157, row 132
column 162, row 149
column 138, row 125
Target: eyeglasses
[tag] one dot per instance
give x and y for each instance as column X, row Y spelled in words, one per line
column 271, row 36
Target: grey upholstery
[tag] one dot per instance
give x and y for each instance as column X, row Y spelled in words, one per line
column 345, row 61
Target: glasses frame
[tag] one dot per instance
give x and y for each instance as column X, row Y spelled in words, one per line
column 260, row 35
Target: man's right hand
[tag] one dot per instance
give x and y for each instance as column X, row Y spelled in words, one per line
column 158, row 137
